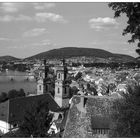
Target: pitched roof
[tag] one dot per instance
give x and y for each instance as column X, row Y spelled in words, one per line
column 18, row 106
column 98, row 122
column 4, row 111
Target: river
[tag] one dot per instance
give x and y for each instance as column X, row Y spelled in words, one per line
column 17, row 80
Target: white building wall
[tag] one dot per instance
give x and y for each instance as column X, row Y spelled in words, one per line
column 60, row 76
column 4, row 126
column 40, row 87
column 58, row 101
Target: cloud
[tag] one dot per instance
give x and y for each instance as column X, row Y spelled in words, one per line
column 43, row 17
column 109, row 42
column 9, row 18
column 45, row 42
column 13, row 7
column 38, row 17
column 6, row 18
column 23, row 18
column 102, row 23
column 7, row 39
column 10, row 7
column 34, row 32
column 42, row 6
column 42, row 43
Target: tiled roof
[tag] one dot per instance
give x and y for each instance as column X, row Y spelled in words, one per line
column 100, row 122
column 18, row 106
column 4, row 111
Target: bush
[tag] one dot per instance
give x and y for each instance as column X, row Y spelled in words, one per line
column 14, row 93
column 76, row 100
column 73, row 91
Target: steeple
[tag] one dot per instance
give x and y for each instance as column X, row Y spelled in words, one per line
column 44, row 83
column 62, row 90
column 46, row 68
column 65, row 68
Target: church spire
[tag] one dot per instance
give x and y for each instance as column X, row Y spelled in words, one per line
column 62, row 90
column 46, row 69
column 65, row 68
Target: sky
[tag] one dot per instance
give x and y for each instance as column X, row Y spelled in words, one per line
column 27, row 29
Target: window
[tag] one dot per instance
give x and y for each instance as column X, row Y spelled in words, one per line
column 47, row 88
column 15, row 125
column 59, row 75
column 39, row 87
column 58, row 90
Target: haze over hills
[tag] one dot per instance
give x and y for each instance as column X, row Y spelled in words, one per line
column 69, row 52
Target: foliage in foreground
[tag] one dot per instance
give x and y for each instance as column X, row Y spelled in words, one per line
column 126, row 115
column 37, row 121
column 132, row 11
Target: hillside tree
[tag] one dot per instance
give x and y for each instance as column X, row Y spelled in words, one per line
column 132, row 11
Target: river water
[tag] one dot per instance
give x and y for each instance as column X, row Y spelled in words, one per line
column 17, row 80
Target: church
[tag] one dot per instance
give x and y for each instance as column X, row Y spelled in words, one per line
column 61, row 89
column 12, row 111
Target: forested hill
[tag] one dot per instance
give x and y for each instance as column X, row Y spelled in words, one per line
column 8, row 58
column 69, row 52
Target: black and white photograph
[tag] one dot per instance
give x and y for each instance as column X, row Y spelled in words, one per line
column 69, row 69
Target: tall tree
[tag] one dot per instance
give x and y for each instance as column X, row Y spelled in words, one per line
column 73, row 91
column 37, row 121
column 132, row 11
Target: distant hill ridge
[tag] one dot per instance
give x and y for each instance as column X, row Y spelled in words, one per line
column 8, row 58
column 69, row 52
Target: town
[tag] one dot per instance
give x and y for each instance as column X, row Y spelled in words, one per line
column 69, row 70
column 59, row 85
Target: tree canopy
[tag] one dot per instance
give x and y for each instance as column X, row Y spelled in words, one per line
column 14, row 93
column 126, row 115
column 132, row 11
column 37, row 121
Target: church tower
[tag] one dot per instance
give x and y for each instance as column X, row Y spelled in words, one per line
column 43, row 83
column 62, row 89
column 47, row 82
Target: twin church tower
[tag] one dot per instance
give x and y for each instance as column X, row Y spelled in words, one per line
column 61, row 89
